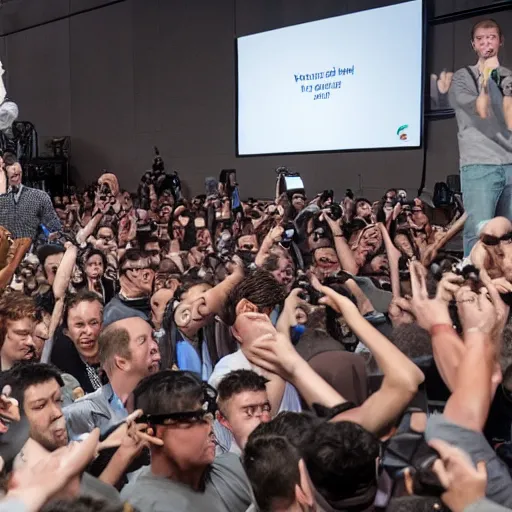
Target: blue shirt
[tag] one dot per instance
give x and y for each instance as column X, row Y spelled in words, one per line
column 187, row 358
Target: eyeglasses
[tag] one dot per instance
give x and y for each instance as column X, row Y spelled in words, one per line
column 172, row 418
column 205, row 414
column 494, row 240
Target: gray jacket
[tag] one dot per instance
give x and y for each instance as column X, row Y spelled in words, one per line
column 485, row 505
column 101, row 409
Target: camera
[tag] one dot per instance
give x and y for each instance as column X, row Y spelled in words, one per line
column 335, row 211
column 409, row 449
column 149, row 228
column 309, row 294
column 289, row 181
column 471, row 276
column 288, row 234
column 406, row 205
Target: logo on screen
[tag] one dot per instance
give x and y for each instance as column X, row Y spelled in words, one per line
column 402, row 132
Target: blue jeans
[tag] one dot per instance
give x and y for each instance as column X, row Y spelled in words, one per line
column 487, row 193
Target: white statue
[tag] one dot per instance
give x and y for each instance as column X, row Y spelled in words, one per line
column 8, row 109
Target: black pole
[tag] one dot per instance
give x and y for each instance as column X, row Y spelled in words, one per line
column 60, row 18
column 501, row 5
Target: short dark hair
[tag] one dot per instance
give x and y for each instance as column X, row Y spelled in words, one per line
column 48, row 250
column 237, row 382
column 488, row 23
column 10, row 159
column 341, row 458
column 26, row 373
column 73, row 299
column 260, row 287
column 295, row 426
column 188, row 282
column 130, row 255
column 271, row 463
column 168, row 391
column 95, row 252
column 83, row 504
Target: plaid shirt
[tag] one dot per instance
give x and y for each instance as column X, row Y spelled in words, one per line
column 22, row 213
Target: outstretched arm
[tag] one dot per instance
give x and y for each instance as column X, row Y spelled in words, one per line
column 343, row 251
column 272, row 237
column 401, row 376
column 393, row 258
column 63, row 274
column 60, row 286
column 482, row 316
column 89, row 228
column 433, row 316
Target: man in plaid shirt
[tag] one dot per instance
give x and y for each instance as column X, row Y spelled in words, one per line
column 23, row 209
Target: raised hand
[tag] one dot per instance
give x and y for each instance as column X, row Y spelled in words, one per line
column 464, row 483
column 288, row 317
column 476, row 311
column 274, row 353
column 445, row 81
column 485, row 311
column 9, row 409
column 333, row 225
column 428, row 312
column 130, row 434
column 35, row 484
column 400, row 311
column 449, row 286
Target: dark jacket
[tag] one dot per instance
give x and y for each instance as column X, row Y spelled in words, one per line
column 66, row 358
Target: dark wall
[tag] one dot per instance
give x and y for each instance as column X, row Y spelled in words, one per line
column 140, row 73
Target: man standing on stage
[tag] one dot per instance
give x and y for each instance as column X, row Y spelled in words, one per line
column 482, row 101
column 23, row 209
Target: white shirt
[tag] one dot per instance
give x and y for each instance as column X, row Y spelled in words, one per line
column 238, row 361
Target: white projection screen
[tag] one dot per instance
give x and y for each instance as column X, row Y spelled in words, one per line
column 351, row 82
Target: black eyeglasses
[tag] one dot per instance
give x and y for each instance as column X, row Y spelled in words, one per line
column 495, row 240
column 205, row 414
column 171, row 418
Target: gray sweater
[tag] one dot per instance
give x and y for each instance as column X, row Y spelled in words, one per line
column 481, row 141
column 485, row 505
column 22, row 213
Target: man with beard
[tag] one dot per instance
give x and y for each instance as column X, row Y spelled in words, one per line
column 18, row 317
column 37, row 386
column 485, row 142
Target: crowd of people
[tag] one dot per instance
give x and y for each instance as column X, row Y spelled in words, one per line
column 164, row 353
